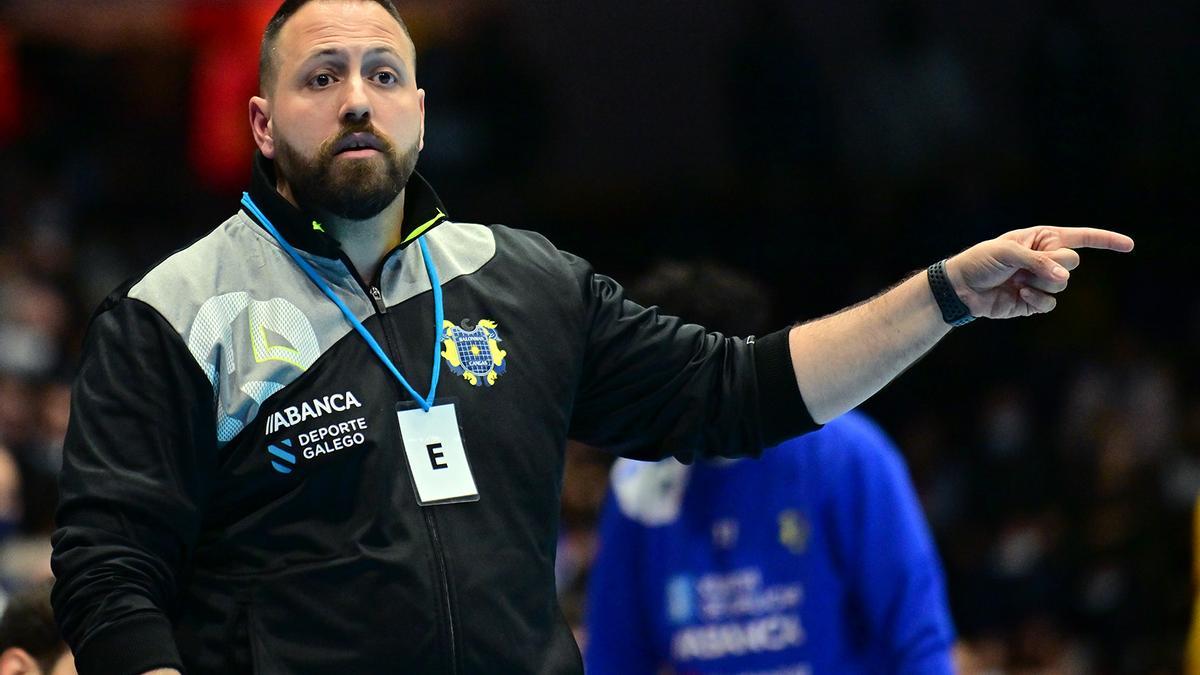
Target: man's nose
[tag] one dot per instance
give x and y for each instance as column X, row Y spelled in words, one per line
column 357, row 106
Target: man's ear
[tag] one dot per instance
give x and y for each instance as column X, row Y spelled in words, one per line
column 421, row 102
column 260, row 126
column 17, row 661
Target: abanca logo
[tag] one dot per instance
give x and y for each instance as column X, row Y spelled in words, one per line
column 311, row 410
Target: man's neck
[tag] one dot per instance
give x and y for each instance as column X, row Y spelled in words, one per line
column 365, row 242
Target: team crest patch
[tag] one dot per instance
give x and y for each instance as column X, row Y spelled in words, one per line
column 474, row 354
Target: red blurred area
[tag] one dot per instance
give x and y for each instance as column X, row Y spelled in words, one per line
column 10, row 89
column 226, row 38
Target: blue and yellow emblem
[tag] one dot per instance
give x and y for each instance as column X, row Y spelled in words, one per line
column 475, row 354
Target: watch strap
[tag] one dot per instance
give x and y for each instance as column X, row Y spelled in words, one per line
column 954, row 311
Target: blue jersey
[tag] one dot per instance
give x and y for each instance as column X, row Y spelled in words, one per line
column 814, row 559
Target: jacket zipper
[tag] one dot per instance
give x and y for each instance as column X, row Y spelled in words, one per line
column 440, row 557
column 377, row 299
column 376, row 296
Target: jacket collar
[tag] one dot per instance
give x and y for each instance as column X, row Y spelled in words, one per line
column 422, row 212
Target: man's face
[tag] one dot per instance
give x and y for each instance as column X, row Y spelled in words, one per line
column 345, row 119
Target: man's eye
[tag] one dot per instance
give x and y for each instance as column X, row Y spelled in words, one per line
column 321, row 81
column 386, row 77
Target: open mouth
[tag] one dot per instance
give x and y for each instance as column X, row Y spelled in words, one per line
column 358, row 144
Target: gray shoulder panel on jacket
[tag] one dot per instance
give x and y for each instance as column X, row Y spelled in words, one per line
column 457, row 249
column 254, row 322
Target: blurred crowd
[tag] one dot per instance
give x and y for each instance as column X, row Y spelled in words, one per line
column 829, row 148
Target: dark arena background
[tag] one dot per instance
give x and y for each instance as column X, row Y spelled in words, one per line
column 828, row 148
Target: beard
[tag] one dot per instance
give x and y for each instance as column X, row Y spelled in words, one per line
column 354, row 189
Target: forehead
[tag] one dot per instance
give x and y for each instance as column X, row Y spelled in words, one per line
column 339, row 24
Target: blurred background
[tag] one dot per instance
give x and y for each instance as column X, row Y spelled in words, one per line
column 829, row 148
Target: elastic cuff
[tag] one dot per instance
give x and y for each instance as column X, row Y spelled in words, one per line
column 131, row 647
column 782, row 412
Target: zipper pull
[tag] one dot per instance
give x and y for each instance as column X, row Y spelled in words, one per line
column 377, row 298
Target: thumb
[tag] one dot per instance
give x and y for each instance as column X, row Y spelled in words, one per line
column 1014, row 255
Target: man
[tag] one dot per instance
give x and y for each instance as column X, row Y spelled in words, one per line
column 29, row 640
column 257, row 476
column 813, row 559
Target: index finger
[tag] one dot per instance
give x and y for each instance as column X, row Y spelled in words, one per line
column 1091, row 237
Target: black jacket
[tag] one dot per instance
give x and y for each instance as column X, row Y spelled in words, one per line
column 188, row 538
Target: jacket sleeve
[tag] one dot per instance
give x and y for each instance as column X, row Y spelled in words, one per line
column 136, row 466
column 619, row 631
column 894, row 566
column 655, row 386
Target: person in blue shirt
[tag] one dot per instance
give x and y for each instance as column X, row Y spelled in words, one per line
column 815, row 558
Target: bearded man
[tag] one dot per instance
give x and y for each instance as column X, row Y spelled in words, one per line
column 327, row 437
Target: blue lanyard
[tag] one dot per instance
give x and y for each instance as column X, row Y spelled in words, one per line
column 425, row 403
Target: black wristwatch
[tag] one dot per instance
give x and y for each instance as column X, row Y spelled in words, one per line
column 954, row 312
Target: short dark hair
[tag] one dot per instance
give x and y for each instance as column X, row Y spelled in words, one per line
column 28, row 623
column 708, row 293
column 268, row 68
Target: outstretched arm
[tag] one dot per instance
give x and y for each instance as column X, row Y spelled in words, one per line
column 843, row 359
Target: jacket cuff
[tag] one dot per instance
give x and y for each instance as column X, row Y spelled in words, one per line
column 781, row 409
column 131, row 647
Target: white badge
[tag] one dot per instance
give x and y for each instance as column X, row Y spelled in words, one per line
column 437, row 460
